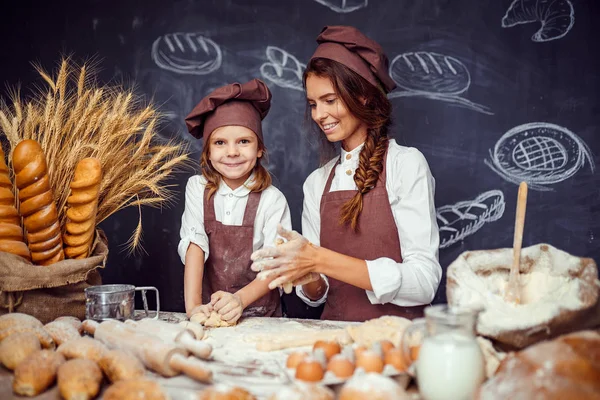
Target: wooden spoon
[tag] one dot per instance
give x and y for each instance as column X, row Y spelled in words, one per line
column 512, row 293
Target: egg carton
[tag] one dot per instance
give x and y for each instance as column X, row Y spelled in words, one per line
column 329, row 379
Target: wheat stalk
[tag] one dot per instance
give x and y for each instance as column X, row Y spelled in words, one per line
column 73, row 117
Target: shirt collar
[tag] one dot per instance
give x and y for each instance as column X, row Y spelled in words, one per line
column 242, row 191
column 354, row 153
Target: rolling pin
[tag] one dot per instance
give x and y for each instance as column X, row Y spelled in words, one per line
column 173, row 333
column 164, row 358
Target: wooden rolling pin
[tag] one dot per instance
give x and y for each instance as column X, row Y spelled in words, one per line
column 165, row 358
column 173, row 333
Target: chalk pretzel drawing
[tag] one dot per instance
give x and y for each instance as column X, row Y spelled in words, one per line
column 540, row 154
column 344, row 6
column 434, row 76
column 187, row 53
column 464, row 218
column 283, row 69
column 557, row 17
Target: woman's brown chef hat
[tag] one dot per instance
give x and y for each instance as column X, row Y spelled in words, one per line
column 235, row 104
column 349, row 46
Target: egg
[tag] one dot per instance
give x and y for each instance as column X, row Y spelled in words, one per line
column 310, row 370
column 414, row 352
column 386, row 345
column 395, row 358
column 340, row 366
column 330, row 348
column 370, row 361
column 358, row 349
column 295, row 358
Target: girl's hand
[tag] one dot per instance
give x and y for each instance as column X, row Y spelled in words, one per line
column 204, row 310
column 228, row 305
column 292, row 261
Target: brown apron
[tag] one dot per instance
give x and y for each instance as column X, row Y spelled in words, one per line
column 377, row 237
column 228, row 265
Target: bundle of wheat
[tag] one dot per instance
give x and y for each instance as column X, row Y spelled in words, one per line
column 74, row 118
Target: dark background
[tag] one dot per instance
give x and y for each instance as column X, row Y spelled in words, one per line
column 517, row 80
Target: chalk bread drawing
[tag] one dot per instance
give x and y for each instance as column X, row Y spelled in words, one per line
column 344, row 6
column 283, row 69
column 186, row 53
column 464, row 218
column 433, row 76
column 540, row 154
column 557, row 17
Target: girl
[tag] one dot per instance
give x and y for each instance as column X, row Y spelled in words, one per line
column 370, row 232
column 231, row 209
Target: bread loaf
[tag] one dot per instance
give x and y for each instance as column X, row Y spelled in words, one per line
column 119, row 365
column 83, row 347
column 73, row 321
column 36, row 373
column 11, row 233
column 43, row 336
column 79, row 379
column 19, row 319
column 18, row 347
column 37, row 207
column 83, row 205
column 567, row 367
column 61, row 331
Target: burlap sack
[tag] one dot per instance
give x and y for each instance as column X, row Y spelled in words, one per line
column 560, row 293
column 52, row 291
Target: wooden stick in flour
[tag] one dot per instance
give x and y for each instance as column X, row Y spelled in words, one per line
column 512, row 292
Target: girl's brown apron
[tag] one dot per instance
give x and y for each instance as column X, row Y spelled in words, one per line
column 377, row 237
column 228, row 265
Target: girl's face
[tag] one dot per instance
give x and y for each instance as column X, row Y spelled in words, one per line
column 233, row 152
column 329, row 112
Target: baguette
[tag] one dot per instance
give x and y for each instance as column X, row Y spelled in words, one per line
column 79, row 379
column 83, row 205
column 37, row 372
column 37, row 203
column 11, row 232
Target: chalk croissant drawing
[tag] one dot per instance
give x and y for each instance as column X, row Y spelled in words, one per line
column 540, row 154
column 556, row 16
column 464, row 218
column 433, row 76
column 187, row 53
column 283, row 69
column 344, row 6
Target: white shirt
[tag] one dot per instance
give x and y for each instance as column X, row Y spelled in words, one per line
column 229, row 210
column 410, row 189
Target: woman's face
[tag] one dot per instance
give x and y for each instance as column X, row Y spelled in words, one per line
column 329, row 112
column 233, row 153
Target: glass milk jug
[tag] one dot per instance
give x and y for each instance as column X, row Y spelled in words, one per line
column 449, row 365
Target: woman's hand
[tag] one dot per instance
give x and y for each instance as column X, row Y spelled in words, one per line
column 228, row 305
column 293, row 261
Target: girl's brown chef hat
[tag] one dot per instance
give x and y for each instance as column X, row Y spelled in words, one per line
column 349, row 46
column 235, row 104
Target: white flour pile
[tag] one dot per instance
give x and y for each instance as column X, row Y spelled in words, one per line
column 548, row 280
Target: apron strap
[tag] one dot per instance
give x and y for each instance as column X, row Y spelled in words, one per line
column 209, row 206
column 251, row 208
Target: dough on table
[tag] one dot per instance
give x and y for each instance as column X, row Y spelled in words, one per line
column 383, row 328
column 213, row 321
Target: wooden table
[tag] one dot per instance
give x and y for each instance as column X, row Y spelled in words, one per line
column 235, row 359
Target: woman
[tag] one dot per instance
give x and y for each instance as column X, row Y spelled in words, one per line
column 370, row 232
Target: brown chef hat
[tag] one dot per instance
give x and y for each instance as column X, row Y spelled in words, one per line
column 349, row 46
column 235, row 104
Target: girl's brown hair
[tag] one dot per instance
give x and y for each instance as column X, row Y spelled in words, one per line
column 370, row 105
column 262, row 178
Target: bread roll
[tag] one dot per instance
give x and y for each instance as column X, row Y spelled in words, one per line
column 79, row 379
column 19, row 319
column 119, row 365
column 37, row 207
column 43, row 336
column 83, row 205
column 61, row 331
column 11, row 233
column 18, row 347
column 36, row 373
column 73, row 321
column 84, row 347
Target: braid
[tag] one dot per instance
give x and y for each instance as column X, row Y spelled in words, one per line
column 369, row 168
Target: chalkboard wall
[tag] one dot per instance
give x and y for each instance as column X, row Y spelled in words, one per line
column 491, row 91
